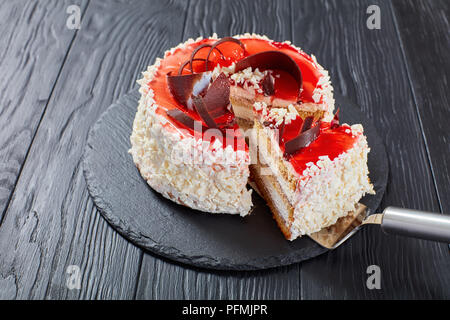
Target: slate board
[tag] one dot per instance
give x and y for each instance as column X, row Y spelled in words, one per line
column 223, row 242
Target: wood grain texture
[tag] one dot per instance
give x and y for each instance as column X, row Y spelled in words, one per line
column 162, row 279
column 51, row 222
column 425, row 35
column 367, row 66
column 34, row 41
column 171, row 281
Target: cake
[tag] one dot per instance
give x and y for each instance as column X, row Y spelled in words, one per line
column 190, row 130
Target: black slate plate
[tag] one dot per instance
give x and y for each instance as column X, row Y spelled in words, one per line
column 224, row 242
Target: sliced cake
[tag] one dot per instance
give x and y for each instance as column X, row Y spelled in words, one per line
column 310, row 172
column 188, row 144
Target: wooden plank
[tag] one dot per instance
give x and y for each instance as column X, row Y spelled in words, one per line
column 34, row 41
column 162, row 280
column 367, row 66
column 425, row 34
column 51, row 222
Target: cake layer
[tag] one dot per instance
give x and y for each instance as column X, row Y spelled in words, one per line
column 242, row 102
column 280, row 207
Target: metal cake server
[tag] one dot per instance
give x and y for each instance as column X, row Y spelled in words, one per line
column 399, row 221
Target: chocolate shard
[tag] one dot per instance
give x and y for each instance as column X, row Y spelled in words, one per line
column 335, row 121
column 268, row 85
column 203, row 112
column 183, row 86
column 302, row 140
column 307, row 123
column 217, row 98
column 271, row 60
column 183, row 118
column 226, row 39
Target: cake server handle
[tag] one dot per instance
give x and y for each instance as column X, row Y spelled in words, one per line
column 417, row 224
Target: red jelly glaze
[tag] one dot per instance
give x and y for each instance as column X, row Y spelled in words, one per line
column 285, row 86
column 232, row 52
column 331, row 143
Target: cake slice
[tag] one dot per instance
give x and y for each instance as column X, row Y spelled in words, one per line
column 310, row 172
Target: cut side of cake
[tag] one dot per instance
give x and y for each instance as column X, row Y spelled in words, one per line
column 310, row 172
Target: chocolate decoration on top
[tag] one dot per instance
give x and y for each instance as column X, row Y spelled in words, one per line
column 217, row 97
column 184, row 64
column 226, row 39
column 183, row 118
column 307, row 123
column 214, row 104
column 203, row 112
column 212, row 48
column 270, row 60
column 205, row 45
column 210, row 102
column 182, row 86
column 268, row 85
column 335, row 121
column 302, row 140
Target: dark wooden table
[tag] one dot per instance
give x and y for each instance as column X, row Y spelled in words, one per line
column 55, row 82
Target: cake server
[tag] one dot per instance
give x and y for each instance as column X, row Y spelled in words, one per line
column 393, row 220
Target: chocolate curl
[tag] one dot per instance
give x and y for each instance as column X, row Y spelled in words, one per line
column 203, row 112
column 180, row 70
column 183, row 118
column 302, row 140
column 268, row 85
column 335, row 121
column 205, row 45
column 226, row 39
column 270, row 60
